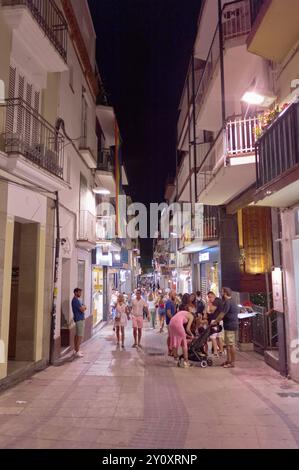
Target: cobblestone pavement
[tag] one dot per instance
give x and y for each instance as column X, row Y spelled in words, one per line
column 140, row 399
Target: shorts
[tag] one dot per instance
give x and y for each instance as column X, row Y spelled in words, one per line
column 216, row 335
column 230, row 337
column 80, row 328
column 137, row 322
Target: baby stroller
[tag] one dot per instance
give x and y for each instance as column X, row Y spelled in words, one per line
column 196, row 352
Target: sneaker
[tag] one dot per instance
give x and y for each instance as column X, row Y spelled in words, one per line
column 79, row 354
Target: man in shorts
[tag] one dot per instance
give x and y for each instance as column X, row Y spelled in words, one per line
column 138, row 304
column 78, row 313
column 231, row 324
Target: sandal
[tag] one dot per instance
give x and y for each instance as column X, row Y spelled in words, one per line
column 228, row 365
column 224, row 364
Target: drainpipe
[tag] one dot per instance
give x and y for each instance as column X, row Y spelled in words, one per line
column 221, row 50
column 55, row 287
column 194, row 127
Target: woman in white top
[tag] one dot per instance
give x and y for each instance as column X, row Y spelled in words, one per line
column 120, row 320
column 152, row 310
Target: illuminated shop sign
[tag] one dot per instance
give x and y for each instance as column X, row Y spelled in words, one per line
column 204, row 257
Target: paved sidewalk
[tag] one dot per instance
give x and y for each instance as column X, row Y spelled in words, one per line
column 140, row 399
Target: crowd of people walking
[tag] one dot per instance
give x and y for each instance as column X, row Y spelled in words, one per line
column 185, row 317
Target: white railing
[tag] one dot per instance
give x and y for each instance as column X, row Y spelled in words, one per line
column 236, row 140
column 87, row 226
column 105, row 228
column 236, row 19
column 241, row 135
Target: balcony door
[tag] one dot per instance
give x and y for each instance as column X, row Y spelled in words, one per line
column 24, row 101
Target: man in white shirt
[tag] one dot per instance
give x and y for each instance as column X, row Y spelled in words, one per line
column 138, row 304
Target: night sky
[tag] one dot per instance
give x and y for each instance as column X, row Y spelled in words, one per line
column 143, row 51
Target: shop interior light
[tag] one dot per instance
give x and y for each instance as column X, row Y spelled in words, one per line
column 258, row 98
column 103, row 191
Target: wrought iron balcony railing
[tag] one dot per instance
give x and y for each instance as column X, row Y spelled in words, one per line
column 277, row 150
column 49, row 18
column 106, row 160
column 23, row 131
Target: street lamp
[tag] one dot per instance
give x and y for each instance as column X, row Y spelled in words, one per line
column 258, row 98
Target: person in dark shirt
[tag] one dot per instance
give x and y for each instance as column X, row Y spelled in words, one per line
column 213, row 309
column 200, row 305
column 231, row 325
column 78, row 313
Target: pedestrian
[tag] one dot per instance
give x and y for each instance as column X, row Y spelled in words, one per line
column 231, row 325
column 152, row 310
column 200, row 305
column 121, row 320
column 213, row 309
column 138, row 304
column 78, row 315
column 161, row 312
column 178, row 333
column 170, row 308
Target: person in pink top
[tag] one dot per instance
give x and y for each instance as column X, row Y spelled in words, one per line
column 177, row 333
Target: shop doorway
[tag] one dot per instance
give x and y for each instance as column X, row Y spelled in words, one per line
column 81, row 278
column 296, row 269
column 21, row 342
column 97, row 294
column 209, row 278
column 65, row 303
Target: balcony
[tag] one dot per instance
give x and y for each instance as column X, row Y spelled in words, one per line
column 105, row 228
column 274, row 28
column 105, row 170
column 32, row 148
column 40, row 27
column 88, row 147
column 86, row 237
column 277, row 161
column 228, row 167
column 106, row 161
column 236, row 24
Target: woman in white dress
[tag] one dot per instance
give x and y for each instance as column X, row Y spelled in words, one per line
column 120, row 320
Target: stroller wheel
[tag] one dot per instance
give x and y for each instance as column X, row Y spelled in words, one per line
column 210, row 362
column 204, row 364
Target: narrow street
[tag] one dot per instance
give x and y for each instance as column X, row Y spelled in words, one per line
column 140, row 399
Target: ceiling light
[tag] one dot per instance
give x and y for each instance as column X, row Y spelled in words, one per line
column 103, row 191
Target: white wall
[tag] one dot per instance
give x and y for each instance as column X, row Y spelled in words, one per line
column 290, row 255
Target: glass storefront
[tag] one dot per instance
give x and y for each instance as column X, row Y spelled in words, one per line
column 97, row 294
column 209, row 271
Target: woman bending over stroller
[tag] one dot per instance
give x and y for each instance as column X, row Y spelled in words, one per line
column 177, row 333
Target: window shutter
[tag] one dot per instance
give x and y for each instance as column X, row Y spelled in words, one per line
column 11, row 95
